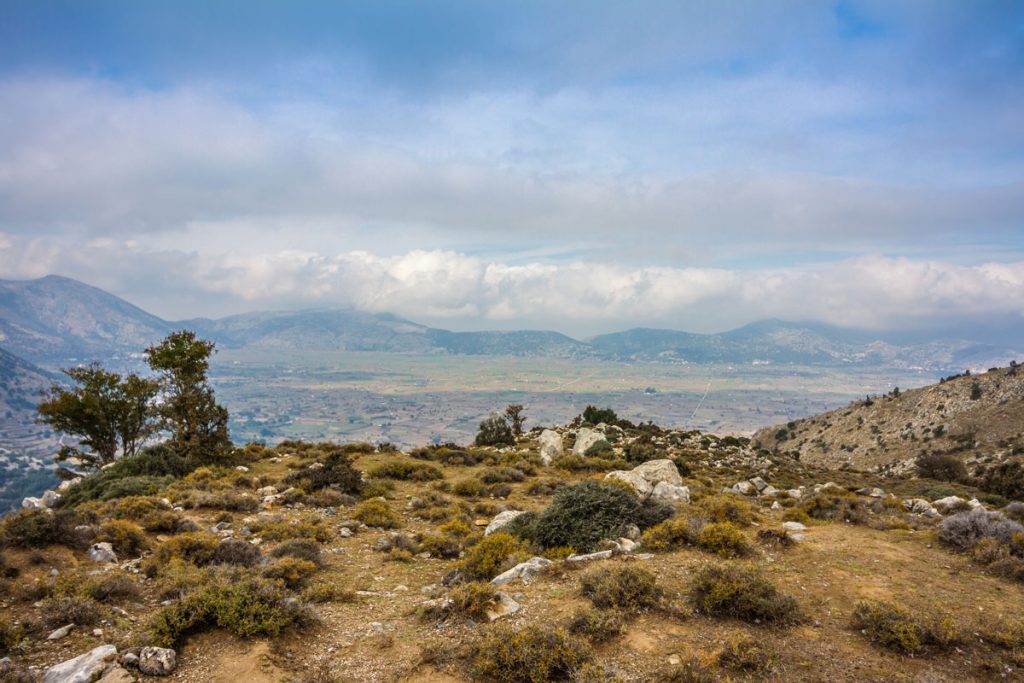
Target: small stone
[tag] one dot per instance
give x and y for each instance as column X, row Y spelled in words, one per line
column 61, row 632
column 157, row 661
column 242, row 468
column 675, row 660
column 345, row 532
column 401, row 588
column 793, row 526
column 98, row 632
column 102, row 552
column 504, row 606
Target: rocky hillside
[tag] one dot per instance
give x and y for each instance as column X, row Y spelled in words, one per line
column 58, row 319
column 580, row 553
column 979, row 418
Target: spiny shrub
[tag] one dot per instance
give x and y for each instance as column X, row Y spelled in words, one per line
column 144, row 474
column 834, row 505
column 404, row 470
column 638, row 452
column 439, row 546
column 743, row 653
column 941, row 466
column 69, row 609
column 110, row 586
column 337, row 473
column 301, row 548
column 471, row 600
column 1005, row 479
column 775, row 537
column 727, row 507
column 965, row 529
column 377, row 513
column 468, row 488
column 692, row 670
column 573, row 462
column 291, row 527
column 127, row 538
column 896, row 628
column 499, row 475
column 136, row 508
column 531, row 654
column 628, row 588
column 237, row 552
column 600, row 449
column 582, row 515
column 197, row 547
column 596, row 625
column 742, row 593
column 494, row 431
column 724, row 539
column 246, row 608
column 492, row 555
column 177, row 577
column 39, row 528
column 673, row 534
column 10, row 636
column 291, row 570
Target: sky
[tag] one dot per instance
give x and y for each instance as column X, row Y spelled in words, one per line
column 578, row 166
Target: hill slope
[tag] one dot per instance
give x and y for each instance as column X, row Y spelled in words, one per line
column 978, row 416
column 57, row 318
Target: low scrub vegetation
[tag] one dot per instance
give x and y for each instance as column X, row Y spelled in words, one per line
column 492, row 555
column 530, row 654
column 740, row 592
column 404, row 470
column 896, row 628
column 377, row 513
column 627, row 588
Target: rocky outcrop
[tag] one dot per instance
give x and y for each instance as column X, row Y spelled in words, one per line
column 585, row 439
column 84, row 668
column 500, row 520
column 551, row 447
column 655, row 478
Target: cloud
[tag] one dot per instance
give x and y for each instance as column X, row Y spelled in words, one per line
column 579, row 297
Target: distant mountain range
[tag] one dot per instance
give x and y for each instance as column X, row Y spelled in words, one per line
column 54, row 319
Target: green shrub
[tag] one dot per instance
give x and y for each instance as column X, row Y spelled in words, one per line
column 35, row 528
column 724, row 539
column 127, row 538
column 896, row 628
column 144, row 474
column 404, row 470
column 377, row 513
column 530, row 654
column 301, row 548
column 640, row 452
column 595, row 415
column 439, row 546
column 727, row 507
column 492, row 555
column 337, row 473
column 1005, row 479
column 941, row 466
column 110, row 586
column 197, row 547
column 572, row 462
column 494, row 431
column 471, row 600
column 10, row 636
column 673, row 534
column 69, row 609
column 292, row 571
column 965, row 529
column 835, row 505
column 236, row 552
column 582, row 515
column 742, row 593
column 743, row 653
column 246, row 608
column 627, row 588
column 292, row 527
column 596, row 625
column 468, row 488
column 497, row 475
column 600, row 449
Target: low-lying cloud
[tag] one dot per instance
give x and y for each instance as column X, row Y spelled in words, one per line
column 578, row 297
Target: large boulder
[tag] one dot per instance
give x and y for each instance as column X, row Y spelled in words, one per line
column 670, row 493
column 500, row 520
column 550, row 446
column 585, row 438
column 655, row 471
column 157, row 661
column 951, row 504
column 83, row 668
column 657, row 478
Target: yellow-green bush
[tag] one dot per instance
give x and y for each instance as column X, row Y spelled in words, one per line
column 743, row 653
column 110, row 586
column 439, row 546
column 627, row 588
column 740, row 592
column 292, row 527
column 377, row 513
column 197, row 547
column 468, row 488
column 457, row 528
column 294, row 572
column 69, row 609
column 530, row 654
column 727, row 507
column 127, row 538
column 896, row 628
column 672, row 534
column 492, row 555
column 724, row 539
column 596, row 625
column 470, row 600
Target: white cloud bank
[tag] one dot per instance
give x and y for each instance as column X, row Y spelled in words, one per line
column 577, row 297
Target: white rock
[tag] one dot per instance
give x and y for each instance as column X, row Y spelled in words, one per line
column 920, row 506
column 504, row 606
column 793, row 526
column 102, row 552
column 30, row 503
column 242, row 468
column 501, row 519
column 626, row 545
column 523, row 571
column 769, row 491
column 744, row 488
column 951, row 504
column 759, row 483
column 590, row 557
column 83, row 668
column 976, row 504
column 550, row 446
column 61, row 632
column 585, row 438
column 157, row 661
column 794, row 493
column 669, row 493
column 634, row 479
column 50, row 498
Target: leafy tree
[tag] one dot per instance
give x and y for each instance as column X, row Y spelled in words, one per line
column 108, row 413
column 595, row 415
column 516, row 419
column 494, row 431
column 197, row 423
